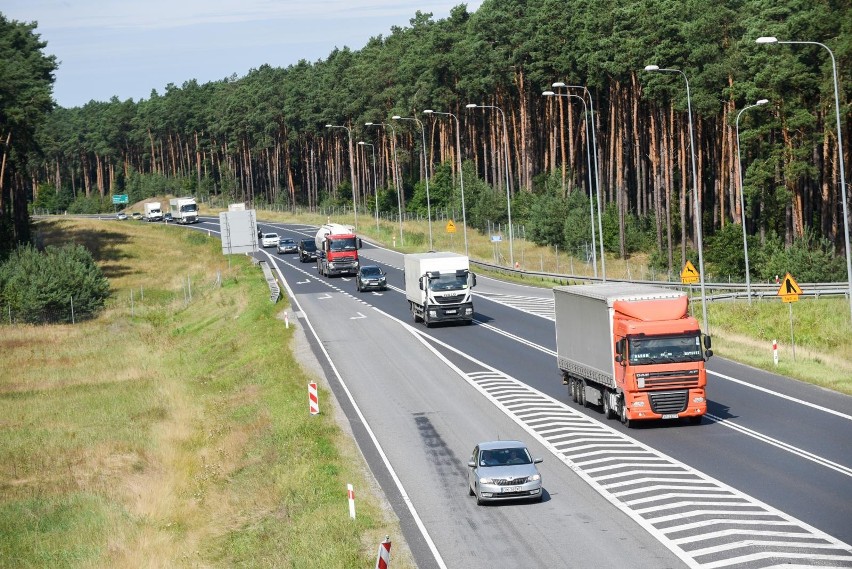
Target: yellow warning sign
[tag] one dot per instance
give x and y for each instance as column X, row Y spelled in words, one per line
column 451, row 227
column 689, row 275
column 789, row 290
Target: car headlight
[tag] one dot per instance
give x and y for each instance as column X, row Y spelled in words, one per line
column 535, row 478
column 485, row 480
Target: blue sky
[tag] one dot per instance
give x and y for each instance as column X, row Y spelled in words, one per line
column 126, row 48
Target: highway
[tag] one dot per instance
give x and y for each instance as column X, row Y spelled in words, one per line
column 764, row 480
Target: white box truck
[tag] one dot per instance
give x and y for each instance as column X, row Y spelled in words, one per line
column 633, row 349
column 153, row 211
column 184, row 210
column 437, row 286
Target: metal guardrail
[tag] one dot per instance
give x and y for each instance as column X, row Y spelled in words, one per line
column 274, row 289
column 715, row 291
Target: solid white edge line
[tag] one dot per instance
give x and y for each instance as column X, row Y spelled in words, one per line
column 781, row 395
column 423, row 531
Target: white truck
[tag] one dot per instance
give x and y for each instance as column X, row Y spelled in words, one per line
column 153, row 211
column 184, row 210
column 437, row 286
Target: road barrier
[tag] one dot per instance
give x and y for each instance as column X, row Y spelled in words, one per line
column 350, row 493
column 313, row 400
column 383, row 559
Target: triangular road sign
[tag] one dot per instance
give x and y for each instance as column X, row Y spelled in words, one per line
column 451, row 227
column 689, row 274
column 789, row 290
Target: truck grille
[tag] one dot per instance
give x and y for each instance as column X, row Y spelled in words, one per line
column 454, row 299
column 669, row 379
column 668, row 402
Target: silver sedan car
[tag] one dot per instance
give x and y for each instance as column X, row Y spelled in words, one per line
column 503, row 470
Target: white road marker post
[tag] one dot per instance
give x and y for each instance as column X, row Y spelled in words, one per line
column 775, row 351
column 350, row 493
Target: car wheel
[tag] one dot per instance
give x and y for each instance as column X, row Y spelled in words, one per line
column 479, row 501
column 470, row 491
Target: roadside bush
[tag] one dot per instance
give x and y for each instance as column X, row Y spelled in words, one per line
column 38, row 287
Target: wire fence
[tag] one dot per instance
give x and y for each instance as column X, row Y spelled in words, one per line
column 134, row 302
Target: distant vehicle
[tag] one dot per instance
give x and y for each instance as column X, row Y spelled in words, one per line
column 307, row 250
column 184, row 210
column 269, row 240
column 136, row 215
column 287, row 245
column 167, row 217
column 503, row 470
column 121, row 216
column 371, row 277
column 153, row 211
column 337, row 250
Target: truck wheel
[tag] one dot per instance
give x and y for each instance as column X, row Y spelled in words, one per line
column 622, row 408
column 582, row 395
column 609, row 413
column 414, row 313
column 574, row 390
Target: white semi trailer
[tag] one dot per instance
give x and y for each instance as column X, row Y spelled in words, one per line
column 437, row 286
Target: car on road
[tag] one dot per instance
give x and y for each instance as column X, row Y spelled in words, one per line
column 503, row 470
column 121, row 216
column 307, row 250
column 136, row 215
column 371, row 277
column 269, row 240
column 167, row 217
column 287, row 245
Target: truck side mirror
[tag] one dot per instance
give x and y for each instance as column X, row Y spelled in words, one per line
column 360, row 244
column 707, row 343
column 472, row 280
column 420, row 282
column 618, row 359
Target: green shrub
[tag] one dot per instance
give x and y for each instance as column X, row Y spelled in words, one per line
column 39, row 286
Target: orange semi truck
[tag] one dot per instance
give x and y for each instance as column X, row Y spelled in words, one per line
column 633, row 349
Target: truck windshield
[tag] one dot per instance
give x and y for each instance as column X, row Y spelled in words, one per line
column 344, row 244
column 188, row 208
column 665, row 349
column 448, row 281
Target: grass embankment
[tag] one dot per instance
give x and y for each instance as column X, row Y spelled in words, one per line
column 741, row 332
column 174, row 432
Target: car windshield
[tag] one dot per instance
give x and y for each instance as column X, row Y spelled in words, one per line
column 665, row 349
column 504, row 457
column 371, row 272
column 288, row 242
column 309, row 245
column 270, row 236
column 448, row 281
column 344, row 244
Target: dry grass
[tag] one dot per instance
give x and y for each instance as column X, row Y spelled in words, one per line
column 167, row 434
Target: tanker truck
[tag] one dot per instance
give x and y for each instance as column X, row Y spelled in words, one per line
column 337, row 250
column 633, row 349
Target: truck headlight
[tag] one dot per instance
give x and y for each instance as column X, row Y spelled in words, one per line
column 698, row 400
column 468, row 311
column 433, row 313
column 638, row 404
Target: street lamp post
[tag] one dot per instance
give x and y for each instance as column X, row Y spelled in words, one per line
column 351, row 170
column 597, row 176
column 589, row 168
column 742, row 199
column 698, row 237
column 375, row 184
column 395, row 168
column 426, row 165
column 508, row 194
column 770, row 39
column 461, row 174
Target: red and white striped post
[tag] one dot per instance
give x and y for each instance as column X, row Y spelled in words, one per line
column 383, row 560
column 350, row 493
column 287, row 320
column 313, row 400
column 775, row 351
